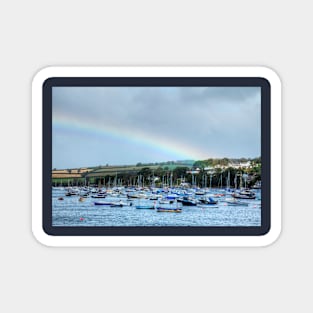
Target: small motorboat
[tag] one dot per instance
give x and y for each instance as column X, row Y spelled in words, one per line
column 61, row 198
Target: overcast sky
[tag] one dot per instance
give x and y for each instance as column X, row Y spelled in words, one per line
column 126, row 125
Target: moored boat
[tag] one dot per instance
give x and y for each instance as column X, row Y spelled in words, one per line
column 208, row 201
column 244, row 194
column 169, row 210
column 207, row 206
column 137, row 195
column 145, row 206
column 199, row 193
column 236, row 202
column 103, row 203
column 119, row 204
column 99, row 196
column 166, row 201
column 219, row 195
column 71, row 193
column 171, row 196
column 188, row 202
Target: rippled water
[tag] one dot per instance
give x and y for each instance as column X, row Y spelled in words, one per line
column 72, row 212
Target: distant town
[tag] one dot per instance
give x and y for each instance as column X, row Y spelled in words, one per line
column 203, row 173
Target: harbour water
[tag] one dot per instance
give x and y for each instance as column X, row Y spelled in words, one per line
column 76, row 211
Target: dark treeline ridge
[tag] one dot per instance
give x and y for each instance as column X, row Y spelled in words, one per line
column 202, row 173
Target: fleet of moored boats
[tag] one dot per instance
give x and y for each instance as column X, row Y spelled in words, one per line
column 162, row 199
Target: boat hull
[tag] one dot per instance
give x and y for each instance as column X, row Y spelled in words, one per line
column 205, row 206
column 144, row 207
column 168, row 210
column 103, row 203
column 188, row 203
column 236, row 203
column 246, row 197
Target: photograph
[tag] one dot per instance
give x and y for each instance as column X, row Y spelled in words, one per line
column 156, row 156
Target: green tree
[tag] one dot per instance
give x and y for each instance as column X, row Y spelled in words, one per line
column 145, row 172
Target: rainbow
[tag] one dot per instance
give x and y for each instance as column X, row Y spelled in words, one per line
column 175, row 150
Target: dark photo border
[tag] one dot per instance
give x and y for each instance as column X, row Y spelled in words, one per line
column 150, row 82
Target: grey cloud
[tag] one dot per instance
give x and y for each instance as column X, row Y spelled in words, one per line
column 225, row 120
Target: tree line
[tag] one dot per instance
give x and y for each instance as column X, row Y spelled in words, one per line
column 164, row 176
